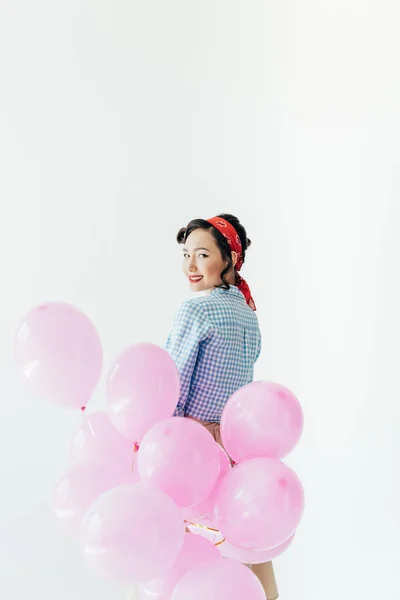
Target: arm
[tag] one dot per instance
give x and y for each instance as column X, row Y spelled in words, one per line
column 190, row 328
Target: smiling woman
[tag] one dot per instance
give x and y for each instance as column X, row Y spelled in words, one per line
column 218, row 328
column 214, row 252
column 215, row 339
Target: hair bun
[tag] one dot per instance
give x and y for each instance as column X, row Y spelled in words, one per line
column 181, row 235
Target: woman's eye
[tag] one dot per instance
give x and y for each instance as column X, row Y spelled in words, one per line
column 198, row 256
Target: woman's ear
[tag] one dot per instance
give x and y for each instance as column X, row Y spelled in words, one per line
column 234, row 258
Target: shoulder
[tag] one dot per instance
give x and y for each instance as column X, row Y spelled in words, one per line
column 192, row 307
column 191, row 322
column 192, row 312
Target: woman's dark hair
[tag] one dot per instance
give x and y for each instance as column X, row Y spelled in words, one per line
column 222, row 243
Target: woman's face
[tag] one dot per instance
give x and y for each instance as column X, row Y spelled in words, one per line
column 202, row 261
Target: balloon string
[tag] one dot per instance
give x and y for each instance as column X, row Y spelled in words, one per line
column 202, row 526
column 135, row 449
column 208, row 529
column 219, row 543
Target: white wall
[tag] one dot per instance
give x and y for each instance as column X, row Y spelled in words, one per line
column 122, row 120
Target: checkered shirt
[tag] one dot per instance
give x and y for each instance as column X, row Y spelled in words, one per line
column 215, row 341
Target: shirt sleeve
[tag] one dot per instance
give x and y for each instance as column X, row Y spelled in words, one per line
column 190, row 328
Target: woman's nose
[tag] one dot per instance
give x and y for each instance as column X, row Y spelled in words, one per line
column 192, row 267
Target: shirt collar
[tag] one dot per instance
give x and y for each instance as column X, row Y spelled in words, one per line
column 233, row 290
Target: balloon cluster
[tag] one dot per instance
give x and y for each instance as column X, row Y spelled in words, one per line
column 142, row 484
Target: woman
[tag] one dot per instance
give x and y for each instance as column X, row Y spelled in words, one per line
column 215, row 339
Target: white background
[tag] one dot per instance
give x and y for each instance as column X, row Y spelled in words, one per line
column 120, row 121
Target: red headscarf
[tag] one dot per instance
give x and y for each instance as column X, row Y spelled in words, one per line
column 231, row 235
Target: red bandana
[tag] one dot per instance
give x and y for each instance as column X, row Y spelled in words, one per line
column 230, row 233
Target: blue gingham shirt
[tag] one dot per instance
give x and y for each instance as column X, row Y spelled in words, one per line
column 215, row 341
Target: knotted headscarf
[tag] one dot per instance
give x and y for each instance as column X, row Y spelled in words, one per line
column 233, row 239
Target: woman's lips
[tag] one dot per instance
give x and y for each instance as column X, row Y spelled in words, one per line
column 195, row 278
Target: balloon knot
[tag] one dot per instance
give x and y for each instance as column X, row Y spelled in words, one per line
column 83, row 408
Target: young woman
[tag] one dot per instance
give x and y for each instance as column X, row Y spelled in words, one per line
column 215, row 339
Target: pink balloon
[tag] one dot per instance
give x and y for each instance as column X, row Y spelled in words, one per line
column 142, row 388
column 220, row 579
column 79, row 487
column 196, row 550
column 97, row 439
column 58, row 353
column 132, row 534
column 181, row 458
column 253, row 557
column 261, row 419
column 259, row 504
column 203, row 512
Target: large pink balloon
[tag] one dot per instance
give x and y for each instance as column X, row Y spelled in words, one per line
column 220, row 579
column 203, row 512
column 261, row 419
column 132, row 534
column 59, row 354
column 97, row 439
column 181, row 458
column 259, row 504
column 196, row 550
column 252, row 557
column 79, row 487
column 142, row 388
